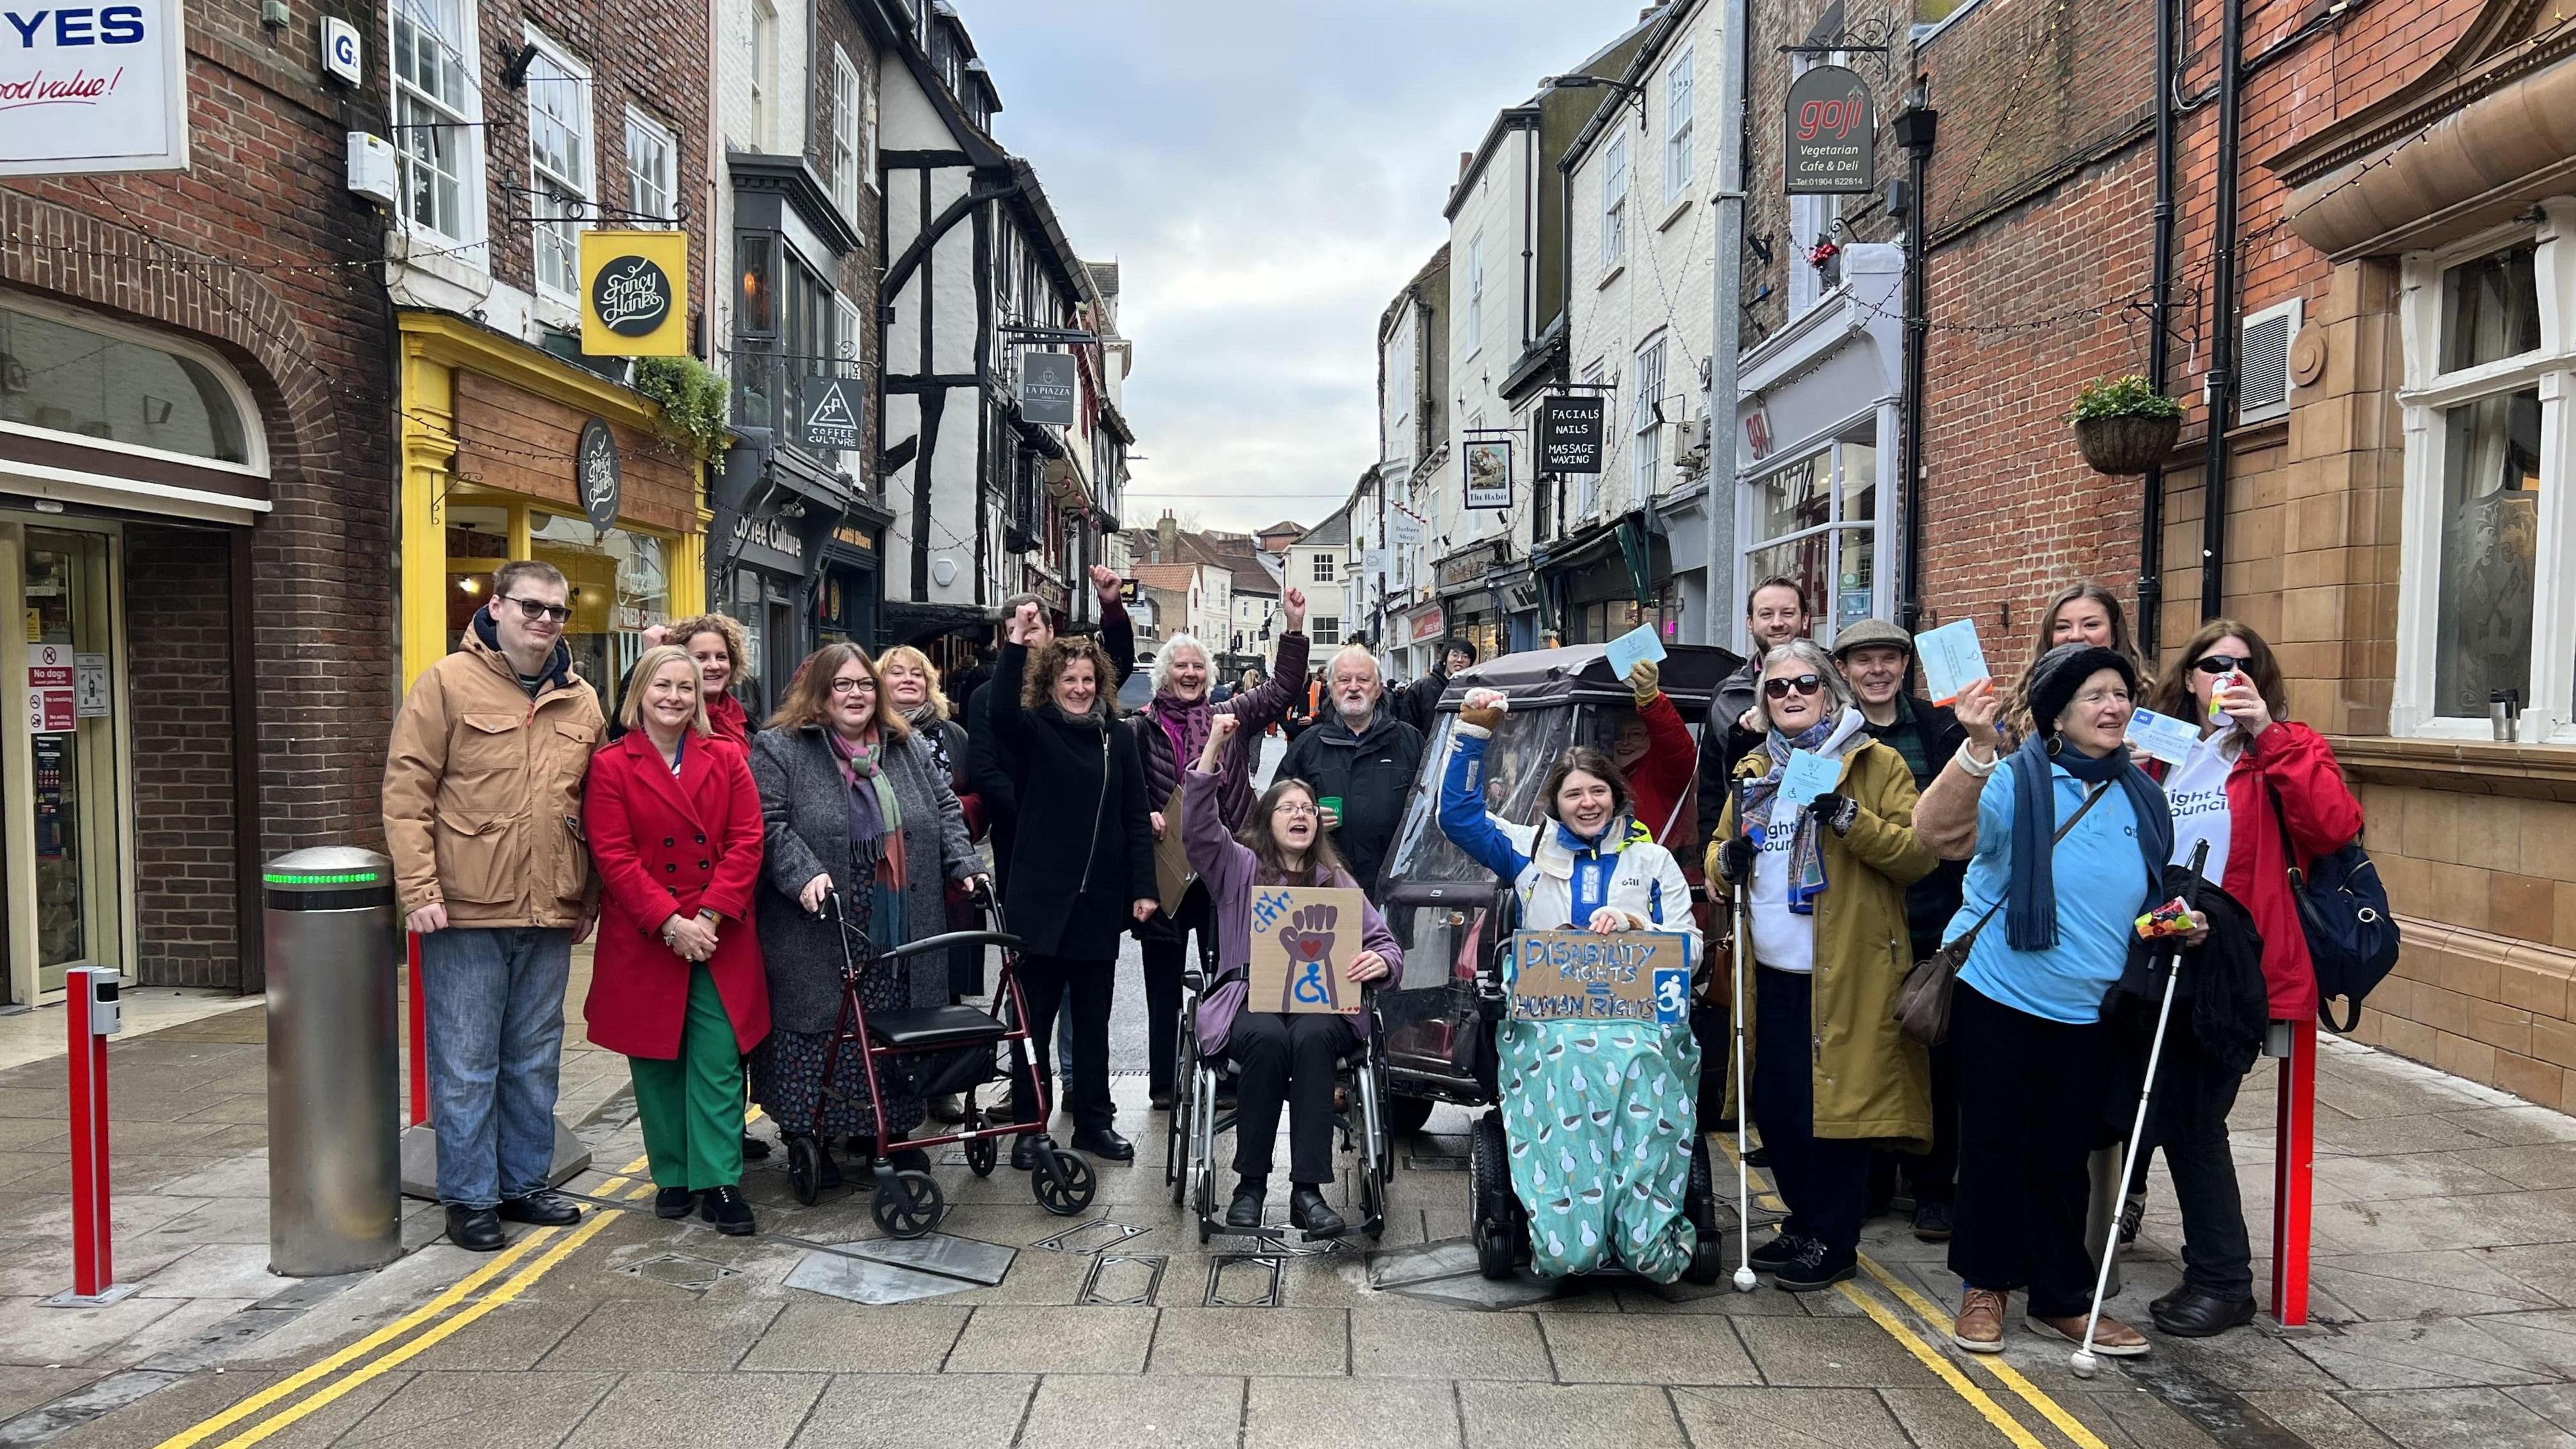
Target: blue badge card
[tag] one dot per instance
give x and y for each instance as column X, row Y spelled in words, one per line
column 2162, row 736
column 1952, row 659
column 1806, row 776
column 1639, row 643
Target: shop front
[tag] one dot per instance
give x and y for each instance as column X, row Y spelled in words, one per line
column 848, row 604
column 1470, row 608
column 1607, row 582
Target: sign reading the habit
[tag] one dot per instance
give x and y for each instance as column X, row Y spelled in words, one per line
column 827, row 412
column 1640, row 976
column 1489, row 473
column 630, row 293
column 93, row 88
column 1049, row 383
column 1569, row 434
column 1303, row 941
column 597, row 475
column 1832, row 134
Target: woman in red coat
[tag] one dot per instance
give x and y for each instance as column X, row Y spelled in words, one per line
column 722, row 652
column 2253, row 777
column 677, row 983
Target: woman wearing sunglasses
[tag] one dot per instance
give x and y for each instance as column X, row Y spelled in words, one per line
column 1833, row 1074
column 2267, row 795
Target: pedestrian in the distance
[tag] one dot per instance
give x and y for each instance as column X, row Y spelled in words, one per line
column 863, row 838
column 1418, row 703
column 1833, row 1073
column 482, row 800
column 1361, row 762
column 676, row 982
column 1082, row 862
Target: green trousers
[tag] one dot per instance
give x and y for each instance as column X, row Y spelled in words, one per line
column 692, row 1107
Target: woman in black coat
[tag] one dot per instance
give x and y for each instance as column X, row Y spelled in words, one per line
column 1082, row 860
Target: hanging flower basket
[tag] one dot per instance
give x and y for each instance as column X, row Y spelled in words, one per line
column 2128, row 444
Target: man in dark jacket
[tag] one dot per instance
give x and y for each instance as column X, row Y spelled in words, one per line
column 1775, row 611
column 1418, row 703
column 1875, row 656
column 1361, row 756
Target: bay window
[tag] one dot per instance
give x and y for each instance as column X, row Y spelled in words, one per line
column 1816, row 521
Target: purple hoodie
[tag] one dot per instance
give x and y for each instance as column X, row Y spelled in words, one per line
column 1226, row 866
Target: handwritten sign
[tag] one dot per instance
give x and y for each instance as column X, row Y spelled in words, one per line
column 1303, row 941
column 1640, row 643
column 1637, row 976
column 1806, row 776
column 2161, row 735
column 1952, row 659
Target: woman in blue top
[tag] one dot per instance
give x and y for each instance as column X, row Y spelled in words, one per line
column 2027, row 1018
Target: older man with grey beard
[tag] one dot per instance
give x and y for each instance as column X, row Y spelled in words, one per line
column 1361, row 761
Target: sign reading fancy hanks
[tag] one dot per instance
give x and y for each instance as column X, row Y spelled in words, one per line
column 93, row 88
column 1832, row 134
column 630, row 293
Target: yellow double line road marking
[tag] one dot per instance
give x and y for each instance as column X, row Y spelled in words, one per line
column 351, row 1367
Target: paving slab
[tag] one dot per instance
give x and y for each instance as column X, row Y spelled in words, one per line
column 936, row 1411
column 2439, row 1354
column 1830, row 1353
column 631, row 1334
column 1426, row 1343
column 458, row 1410
column 1164, row 1413
column 749, row 1411
column 1789, row 1418
column 2453, row 1282
column 1647, row 1349
column 851, row 1338
column 1350, row 1414
column 2554, row 1402
column 1002, row 1338
column 1276, row 1342
column 513, row 1336
column 2457, row 1419
column 1567, row 1416
column 2317, row 1417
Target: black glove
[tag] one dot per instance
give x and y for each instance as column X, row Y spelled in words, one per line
column 1735, row 859
column 1835, row 812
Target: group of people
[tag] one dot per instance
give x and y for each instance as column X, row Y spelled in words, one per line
column 729, row 868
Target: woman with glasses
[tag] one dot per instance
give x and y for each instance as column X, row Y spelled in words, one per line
column 1824, row 860
column 2066, row 840
column 2266, row 794
column 864, row 835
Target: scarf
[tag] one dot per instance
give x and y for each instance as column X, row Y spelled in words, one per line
column 1594, row 862
column 876, row 834
column 2030, row 915
column 1828, row 737
column 926, row 720
column 1185, row 724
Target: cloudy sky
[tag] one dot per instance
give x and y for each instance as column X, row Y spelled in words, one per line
column 1267, row 176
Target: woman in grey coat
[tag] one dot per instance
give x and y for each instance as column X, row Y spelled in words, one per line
column 856, row 809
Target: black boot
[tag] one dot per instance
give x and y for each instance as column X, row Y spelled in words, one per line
column 2200, row 1315
column 724, row 1206
column 544, row 1209
column 674, row 1202
column 1308, row 1210
column 1245, row 1210
column 476, row 1230
column 1105, row 1143
column 1024, row 1152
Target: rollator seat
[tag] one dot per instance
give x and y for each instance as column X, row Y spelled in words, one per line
column 923, row 1027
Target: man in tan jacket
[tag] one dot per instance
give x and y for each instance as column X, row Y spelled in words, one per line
column 483, row 819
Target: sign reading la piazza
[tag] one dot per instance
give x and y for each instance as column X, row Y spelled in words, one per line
column 88, row 89
column 631, row 286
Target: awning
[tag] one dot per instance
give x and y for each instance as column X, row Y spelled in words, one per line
column 907, row 622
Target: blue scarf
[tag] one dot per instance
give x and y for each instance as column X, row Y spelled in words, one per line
column 2030, row 913
column 1806, row 850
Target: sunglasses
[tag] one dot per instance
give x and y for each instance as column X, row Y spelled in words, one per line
column 533, row 611
column 1801, row 683
column 2223, row 663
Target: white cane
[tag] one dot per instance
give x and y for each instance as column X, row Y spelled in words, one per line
column 2082, row 1360
column 1744, row 1279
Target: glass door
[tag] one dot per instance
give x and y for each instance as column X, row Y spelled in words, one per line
column 69, row 715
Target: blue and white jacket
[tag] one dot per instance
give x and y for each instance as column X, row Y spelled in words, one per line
column 1561, row 878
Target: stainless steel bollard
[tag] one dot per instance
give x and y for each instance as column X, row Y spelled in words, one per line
column 334, row 1124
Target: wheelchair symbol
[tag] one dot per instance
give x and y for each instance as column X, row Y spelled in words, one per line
column 1672, row 992
column 1311, row 989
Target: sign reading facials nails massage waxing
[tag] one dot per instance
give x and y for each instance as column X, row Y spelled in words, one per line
column 632, row 283
column 90, row 88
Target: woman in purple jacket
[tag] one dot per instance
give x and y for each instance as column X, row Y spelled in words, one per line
column 1281, row 1058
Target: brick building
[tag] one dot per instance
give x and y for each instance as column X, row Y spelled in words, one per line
column 194, row 519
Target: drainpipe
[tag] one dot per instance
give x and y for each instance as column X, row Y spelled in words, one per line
column 1726, row 287
column 2222, row 304
column 2151, row 517
column 1915, row 131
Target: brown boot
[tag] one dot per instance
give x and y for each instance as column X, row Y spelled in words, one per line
column 1980, row 1328
column 2111, row 1337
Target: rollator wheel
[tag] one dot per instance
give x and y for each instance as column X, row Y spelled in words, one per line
column 804, row 1169
column 1176, row 1143
column 981, row 1155
column 1493, row 1251
column 1062, row 1182
column 911, row 1207
column 1708, row 1260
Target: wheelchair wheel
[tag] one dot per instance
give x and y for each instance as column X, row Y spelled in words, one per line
column 910, row 1206
column 1494, row 1251
column 1700, row 1202
column 804, row 1169
column 1407, row 1115
column 982, row 1154
column 1062, row 1182
column 1708, row 1261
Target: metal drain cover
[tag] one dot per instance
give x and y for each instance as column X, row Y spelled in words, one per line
column 1445, row 1272
column 1242, row 1282
column 837, row 1275
column 679, row 1270
column 1122, row 1282
column 1095, row 1236
column 970, row 1259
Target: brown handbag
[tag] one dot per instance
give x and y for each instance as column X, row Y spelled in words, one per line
column 1923, row 1002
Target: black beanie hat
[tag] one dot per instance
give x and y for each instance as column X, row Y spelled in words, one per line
column 2059, row 672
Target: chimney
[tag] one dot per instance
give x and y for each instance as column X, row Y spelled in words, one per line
column 1168, row 536
column 1465, row 159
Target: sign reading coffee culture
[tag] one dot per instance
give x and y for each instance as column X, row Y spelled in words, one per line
column 1831, row 134
column 630, row 293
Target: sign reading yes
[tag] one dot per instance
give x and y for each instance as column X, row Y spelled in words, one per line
column 1303, row 942
column 1641, row 976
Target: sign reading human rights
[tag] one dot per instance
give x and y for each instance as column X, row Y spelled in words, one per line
column 1832, row 134
column 1303, row 941
column 1641, row 976
column 86, row 89
column 631, row 286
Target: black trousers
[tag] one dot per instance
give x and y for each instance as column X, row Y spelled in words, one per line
column 1164, row 963
column 1824, row 1181
column 2187, row 1121
column 1084, row 986
column 1285, row 1059
column 2028, row 1109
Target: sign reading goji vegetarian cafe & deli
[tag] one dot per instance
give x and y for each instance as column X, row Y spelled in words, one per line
column 1832, row 134
column 93, row 88
column 631, row 285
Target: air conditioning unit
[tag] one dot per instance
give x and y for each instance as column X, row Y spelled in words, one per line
column 1694, row 446
column 2263, row 361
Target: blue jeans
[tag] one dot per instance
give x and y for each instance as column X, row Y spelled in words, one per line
column 494, row 997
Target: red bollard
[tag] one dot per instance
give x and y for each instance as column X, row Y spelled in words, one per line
column 2293, row 1174
column 92, row 1014
column 419, row 1014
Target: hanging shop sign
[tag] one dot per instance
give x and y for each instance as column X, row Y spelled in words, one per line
column 93, row 88
column 827, row 412
column 1832, row 130
column 1404, row 527
column 630, row 293
column 1489, row 473
column 597, row 474
column 1049, row 383
column 1426, row 623
column 1569, row 433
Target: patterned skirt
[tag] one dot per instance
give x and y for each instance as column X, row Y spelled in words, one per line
column 787, row 1071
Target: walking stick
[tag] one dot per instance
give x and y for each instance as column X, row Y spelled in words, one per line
column 2082, row 1360
column 1742, row 906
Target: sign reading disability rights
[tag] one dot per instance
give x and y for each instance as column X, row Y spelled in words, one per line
column 1636, row 976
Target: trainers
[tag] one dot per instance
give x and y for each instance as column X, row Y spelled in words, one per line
column 1980, row 1328
column 1776, row 1252
column 1932, row 1221
column 2133, row 1216
column 1815, row 1266
column 2111, row 1337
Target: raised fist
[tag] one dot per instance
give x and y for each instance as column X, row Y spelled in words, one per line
column 1308, row 936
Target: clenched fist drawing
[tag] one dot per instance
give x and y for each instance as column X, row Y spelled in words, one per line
column 1308, row 940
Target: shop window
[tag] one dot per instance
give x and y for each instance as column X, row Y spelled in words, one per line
column 1815, row 521
column 93, row 383
column 621, row 582
column 652, row 170
column 559, row 164
column 437, row 121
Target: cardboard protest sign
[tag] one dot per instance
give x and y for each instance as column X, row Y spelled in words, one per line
column 1172, row 871
column 1637, row 976
column 1303, row 941
column 1952, row 659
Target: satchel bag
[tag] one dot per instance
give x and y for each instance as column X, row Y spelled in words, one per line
column 1923, row 1002
column 2343, row 911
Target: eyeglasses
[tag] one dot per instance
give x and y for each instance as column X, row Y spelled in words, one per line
column 2223, row 663
column 1288, row 807
column 1801, row 683
column 535, row 611
column 854, row 686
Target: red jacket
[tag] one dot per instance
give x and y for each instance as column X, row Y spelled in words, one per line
column 725, row 714
column 665, row 847
column 2323, row 816
column 1659, row 779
